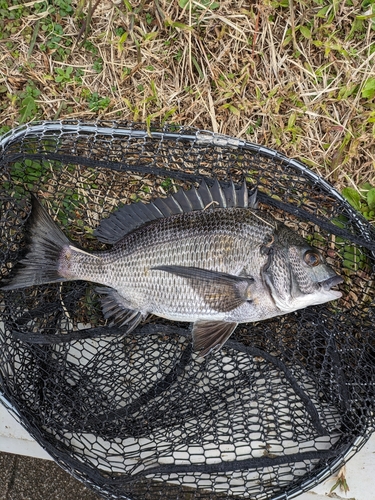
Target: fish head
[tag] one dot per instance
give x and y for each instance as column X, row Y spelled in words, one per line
column 298, row 276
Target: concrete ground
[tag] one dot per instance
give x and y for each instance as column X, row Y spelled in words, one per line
column 28, row 478
column 23, row 477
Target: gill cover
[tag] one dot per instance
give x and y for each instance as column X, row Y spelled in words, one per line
column 297, row 275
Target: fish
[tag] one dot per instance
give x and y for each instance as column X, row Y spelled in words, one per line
column 207, row 255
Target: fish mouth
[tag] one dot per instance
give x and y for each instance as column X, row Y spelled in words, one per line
column 330, row 282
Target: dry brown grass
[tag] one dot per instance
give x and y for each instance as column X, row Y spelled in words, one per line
column 291, row 77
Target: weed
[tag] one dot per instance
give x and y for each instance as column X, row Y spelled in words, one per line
column 54, row 32
column 368, row 91
column 28, row 106
column 166, row 184
column 63, row 7
column 341, row 482
column 98, row 65
column 302, row 82
column 202, row 4
column 149, row 18
column 363, row 199
column 89, row 46
column 64, row 75
column 4, row 129
column 26, row 175
column 78, row 75
column 97, row 103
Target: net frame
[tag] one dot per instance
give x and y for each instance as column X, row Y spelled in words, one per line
column 62, row 139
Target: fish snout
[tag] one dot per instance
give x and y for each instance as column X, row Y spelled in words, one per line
column 330, row 282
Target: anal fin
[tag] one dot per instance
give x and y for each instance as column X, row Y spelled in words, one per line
column 210, row 336
column 114, row 308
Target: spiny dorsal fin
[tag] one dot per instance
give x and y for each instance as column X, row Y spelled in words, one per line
column 130, row 217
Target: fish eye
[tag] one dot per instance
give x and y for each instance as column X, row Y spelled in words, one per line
column 312, row 258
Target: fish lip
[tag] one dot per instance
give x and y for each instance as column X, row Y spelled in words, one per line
column 330, row 282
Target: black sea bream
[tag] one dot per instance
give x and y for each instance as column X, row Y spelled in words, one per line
column 207, row 256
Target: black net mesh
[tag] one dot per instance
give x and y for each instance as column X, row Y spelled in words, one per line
column 284, row 403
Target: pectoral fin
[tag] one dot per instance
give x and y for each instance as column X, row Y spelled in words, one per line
column 210, row 336
column 220, row 291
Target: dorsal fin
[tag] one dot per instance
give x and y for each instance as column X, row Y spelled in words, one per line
column 130, row 217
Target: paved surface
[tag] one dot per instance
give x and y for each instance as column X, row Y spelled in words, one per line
column 26, row 478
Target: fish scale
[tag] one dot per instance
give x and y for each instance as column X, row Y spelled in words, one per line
column 177, row 259
column 191, row 239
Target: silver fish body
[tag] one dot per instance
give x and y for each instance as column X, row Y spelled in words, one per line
column 216, row 240
column 216, row 267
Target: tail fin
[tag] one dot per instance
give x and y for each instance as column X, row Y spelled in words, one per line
column 46, row 243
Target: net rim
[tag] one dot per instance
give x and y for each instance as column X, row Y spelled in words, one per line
column 197, row 137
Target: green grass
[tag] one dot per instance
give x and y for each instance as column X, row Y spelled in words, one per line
column 297, row 76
